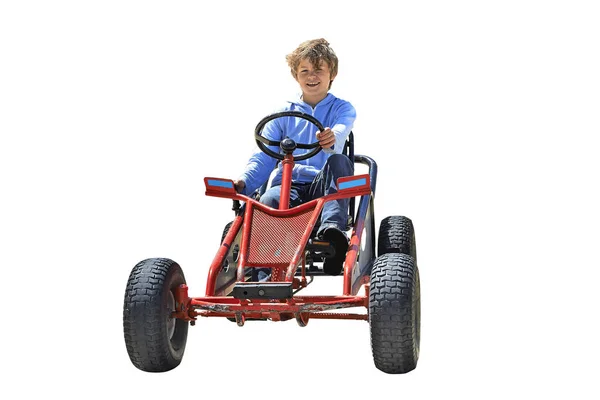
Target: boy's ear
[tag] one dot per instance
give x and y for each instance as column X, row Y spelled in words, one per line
column 331, row 78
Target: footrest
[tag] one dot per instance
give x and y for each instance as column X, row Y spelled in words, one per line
column 261, row 290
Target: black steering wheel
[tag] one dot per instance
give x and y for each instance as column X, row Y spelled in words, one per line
column 287, row 144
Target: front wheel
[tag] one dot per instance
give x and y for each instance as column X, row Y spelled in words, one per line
column 155, row 341
column 226, row 230
column 395, row 313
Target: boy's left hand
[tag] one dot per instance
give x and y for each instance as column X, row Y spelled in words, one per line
column 326, row 138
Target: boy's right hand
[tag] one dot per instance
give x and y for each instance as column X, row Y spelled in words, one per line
column 326, row 138
column 239, row 185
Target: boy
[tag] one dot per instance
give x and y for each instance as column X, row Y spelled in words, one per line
column 314, row 66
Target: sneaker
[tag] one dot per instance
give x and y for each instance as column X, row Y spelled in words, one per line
column 334, row 265
column 263, row 274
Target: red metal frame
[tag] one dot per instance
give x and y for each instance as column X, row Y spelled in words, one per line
column 300, row 307
column 286, row 181
column 226, row 306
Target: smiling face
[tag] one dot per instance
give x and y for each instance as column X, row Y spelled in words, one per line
column 314, row 80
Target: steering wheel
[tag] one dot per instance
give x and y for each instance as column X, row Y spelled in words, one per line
column 287, row 144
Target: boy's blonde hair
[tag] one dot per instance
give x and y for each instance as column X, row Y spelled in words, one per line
column 315, row 51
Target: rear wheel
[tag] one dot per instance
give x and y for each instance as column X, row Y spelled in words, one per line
column 397, row 235
column 395, row 313
column 155, row 341
column 226, row 230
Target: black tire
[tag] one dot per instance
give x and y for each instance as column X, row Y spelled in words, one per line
column 395, row 313
column 397, row 235
column 226, row 230
column 155, row 341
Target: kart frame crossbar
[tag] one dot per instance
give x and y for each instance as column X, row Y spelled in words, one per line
column 275, row 309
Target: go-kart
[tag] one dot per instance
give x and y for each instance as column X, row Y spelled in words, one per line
column 158, row 310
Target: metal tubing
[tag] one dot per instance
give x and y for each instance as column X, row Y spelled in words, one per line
column 361, row 317
column 244, row 245
column 260, row 315
column 298, row 209
column 225, row 304
column 372, row 169
column 355, row 242
column 217, row 263
column 291, row 269
column 286, row 182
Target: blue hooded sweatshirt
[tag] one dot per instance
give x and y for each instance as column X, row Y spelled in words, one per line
column 337, row 114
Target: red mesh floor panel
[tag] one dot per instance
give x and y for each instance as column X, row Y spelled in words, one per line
column 274, row 240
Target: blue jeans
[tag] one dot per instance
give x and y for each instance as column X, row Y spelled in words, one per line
column 334, row 214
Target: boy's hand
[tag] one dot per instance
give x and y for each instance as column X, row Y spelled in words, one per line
column 239, row 185
column 326, row 138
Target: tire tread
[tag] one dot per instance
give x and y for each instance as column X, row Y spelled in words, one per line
column 143, row 325
column 393, row 287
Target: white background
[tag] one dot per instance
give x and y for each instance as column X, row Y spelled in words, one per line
column 480, row 115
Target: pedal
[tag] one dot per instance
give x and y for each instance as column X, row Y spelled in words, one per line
column 325, row 249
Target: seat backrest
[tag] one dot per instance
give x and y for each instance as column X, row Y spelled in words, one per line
column 349, row 152
column 349, row 147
